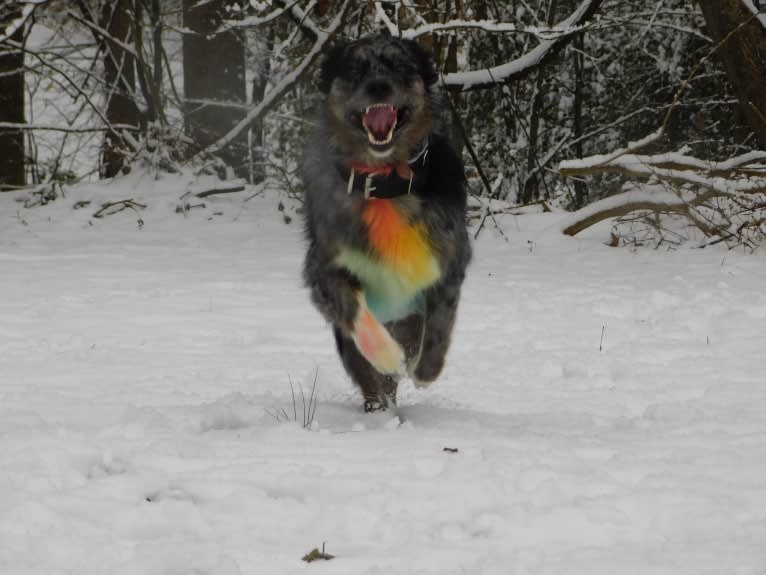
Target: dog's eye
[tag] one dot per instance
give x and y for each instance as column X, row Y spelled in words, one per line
column 358, row 69
column 387, row 62
column 355, row 118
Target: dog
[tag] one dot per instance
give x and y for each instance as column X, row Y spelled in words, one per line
column 385, row 214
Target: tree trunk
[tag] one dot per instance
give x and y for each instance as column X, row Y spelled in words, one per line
column 531, row 190
column 11, row 103
column 119, row 73
column 744, row 57
column 581, row 189
column 214, row 78
column 260, row 81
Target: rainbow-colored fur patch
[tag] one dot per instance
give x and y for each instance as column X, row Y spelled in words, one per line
column 400, row 264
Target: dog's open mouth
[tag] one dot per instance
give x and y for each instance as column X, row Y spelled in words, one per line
column 380, row 121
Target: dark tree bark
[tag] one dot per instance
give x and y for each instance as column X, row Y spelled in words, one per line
column 531, row 191
column 117, row 18
column 214, row 78
column 581, row 189
column 743, row 56
column 260, row 80
column 11, row 103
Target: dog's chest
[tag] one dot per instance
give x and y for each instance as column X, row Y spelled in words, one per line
column 399, row 265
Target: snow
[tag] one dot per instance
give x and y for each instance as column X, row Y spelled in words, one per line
column 606, row 404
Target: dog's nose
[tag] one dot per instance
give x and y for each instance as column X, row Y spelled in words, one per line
column 378, row 89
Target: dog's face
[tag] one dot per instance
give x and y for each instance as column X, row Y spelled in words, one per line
column 378, row 93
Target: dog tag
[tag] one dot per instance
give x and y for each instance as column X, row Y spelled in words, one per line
column 368, row 187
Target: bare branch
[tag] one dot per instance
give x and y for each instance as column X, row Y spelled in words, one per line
column 67, row 129
column 523, row 65
column 272, row 97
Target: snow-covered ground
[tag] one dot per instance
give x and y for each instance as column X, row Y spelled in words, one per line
column 607, row 405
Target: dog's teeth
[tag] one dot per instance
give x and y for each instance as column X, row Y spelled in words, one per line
column 373, row 140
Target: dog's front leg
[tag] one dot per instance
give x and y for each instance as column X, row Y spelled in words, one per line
column 441, row 309
column 339, row 297
column 374, row 342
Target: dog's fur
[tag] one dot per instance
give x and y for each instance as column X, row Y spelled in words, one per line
column 396, row 74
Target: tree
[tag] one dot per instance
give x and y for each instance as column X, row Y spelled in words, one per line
column 214, row 79
column 532, row 83
column 118, row 18
column 11, row 96
column 724, row 200
column 743, row 55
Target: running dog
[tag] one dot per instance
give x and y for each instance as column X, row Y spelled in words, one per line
column 385, row 201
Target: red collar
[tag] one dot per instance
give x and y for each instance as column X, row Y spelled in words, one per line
column 390, row 180
column 402, row 170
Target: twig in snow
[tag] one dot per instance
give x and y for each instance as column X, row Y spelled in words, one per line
column 315, row 555
column 309, row 407
column 214, row 191
column 601, row 343
column 111, row 208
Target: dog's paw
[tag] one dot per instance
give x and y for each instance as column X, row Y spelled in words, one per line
column 418, row 380
column 420, row 383
column 425, row 373
column 376, row 344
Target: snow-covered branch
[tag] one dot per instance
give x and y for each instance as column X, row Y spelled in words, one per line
column 381, row 15
column 742, row 174
column 67, row 129
column 524, row 64
column 271, row 98
column 740, row 180
column 27, row 7
column 664, row 202
column 750, row 4
column 491, row 26
column 258, row 20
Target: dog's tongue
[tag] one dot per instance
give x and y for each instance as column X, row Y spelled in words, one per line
column 380, row 121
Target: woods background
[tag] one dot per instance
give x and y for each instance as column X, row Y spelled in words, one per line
column 559, row 103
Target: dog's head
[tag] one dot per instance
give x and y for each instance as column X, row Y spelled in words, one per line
column 379, row 92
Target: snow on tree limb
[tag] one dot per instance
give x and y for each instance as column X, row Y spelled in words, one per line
column 621, row 205
column 259, row 20
column 574, row 167
column 381, row 15
column 68, row 129
column 736, row 179
column 514, row 69
column 750, row 4
column 17, row 23
column 270, row 99
column 491, row 26
column 744, row 175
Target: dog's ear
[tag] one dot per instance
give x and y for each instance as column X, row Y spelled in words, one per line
column 331, row 65
column 425, row 63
